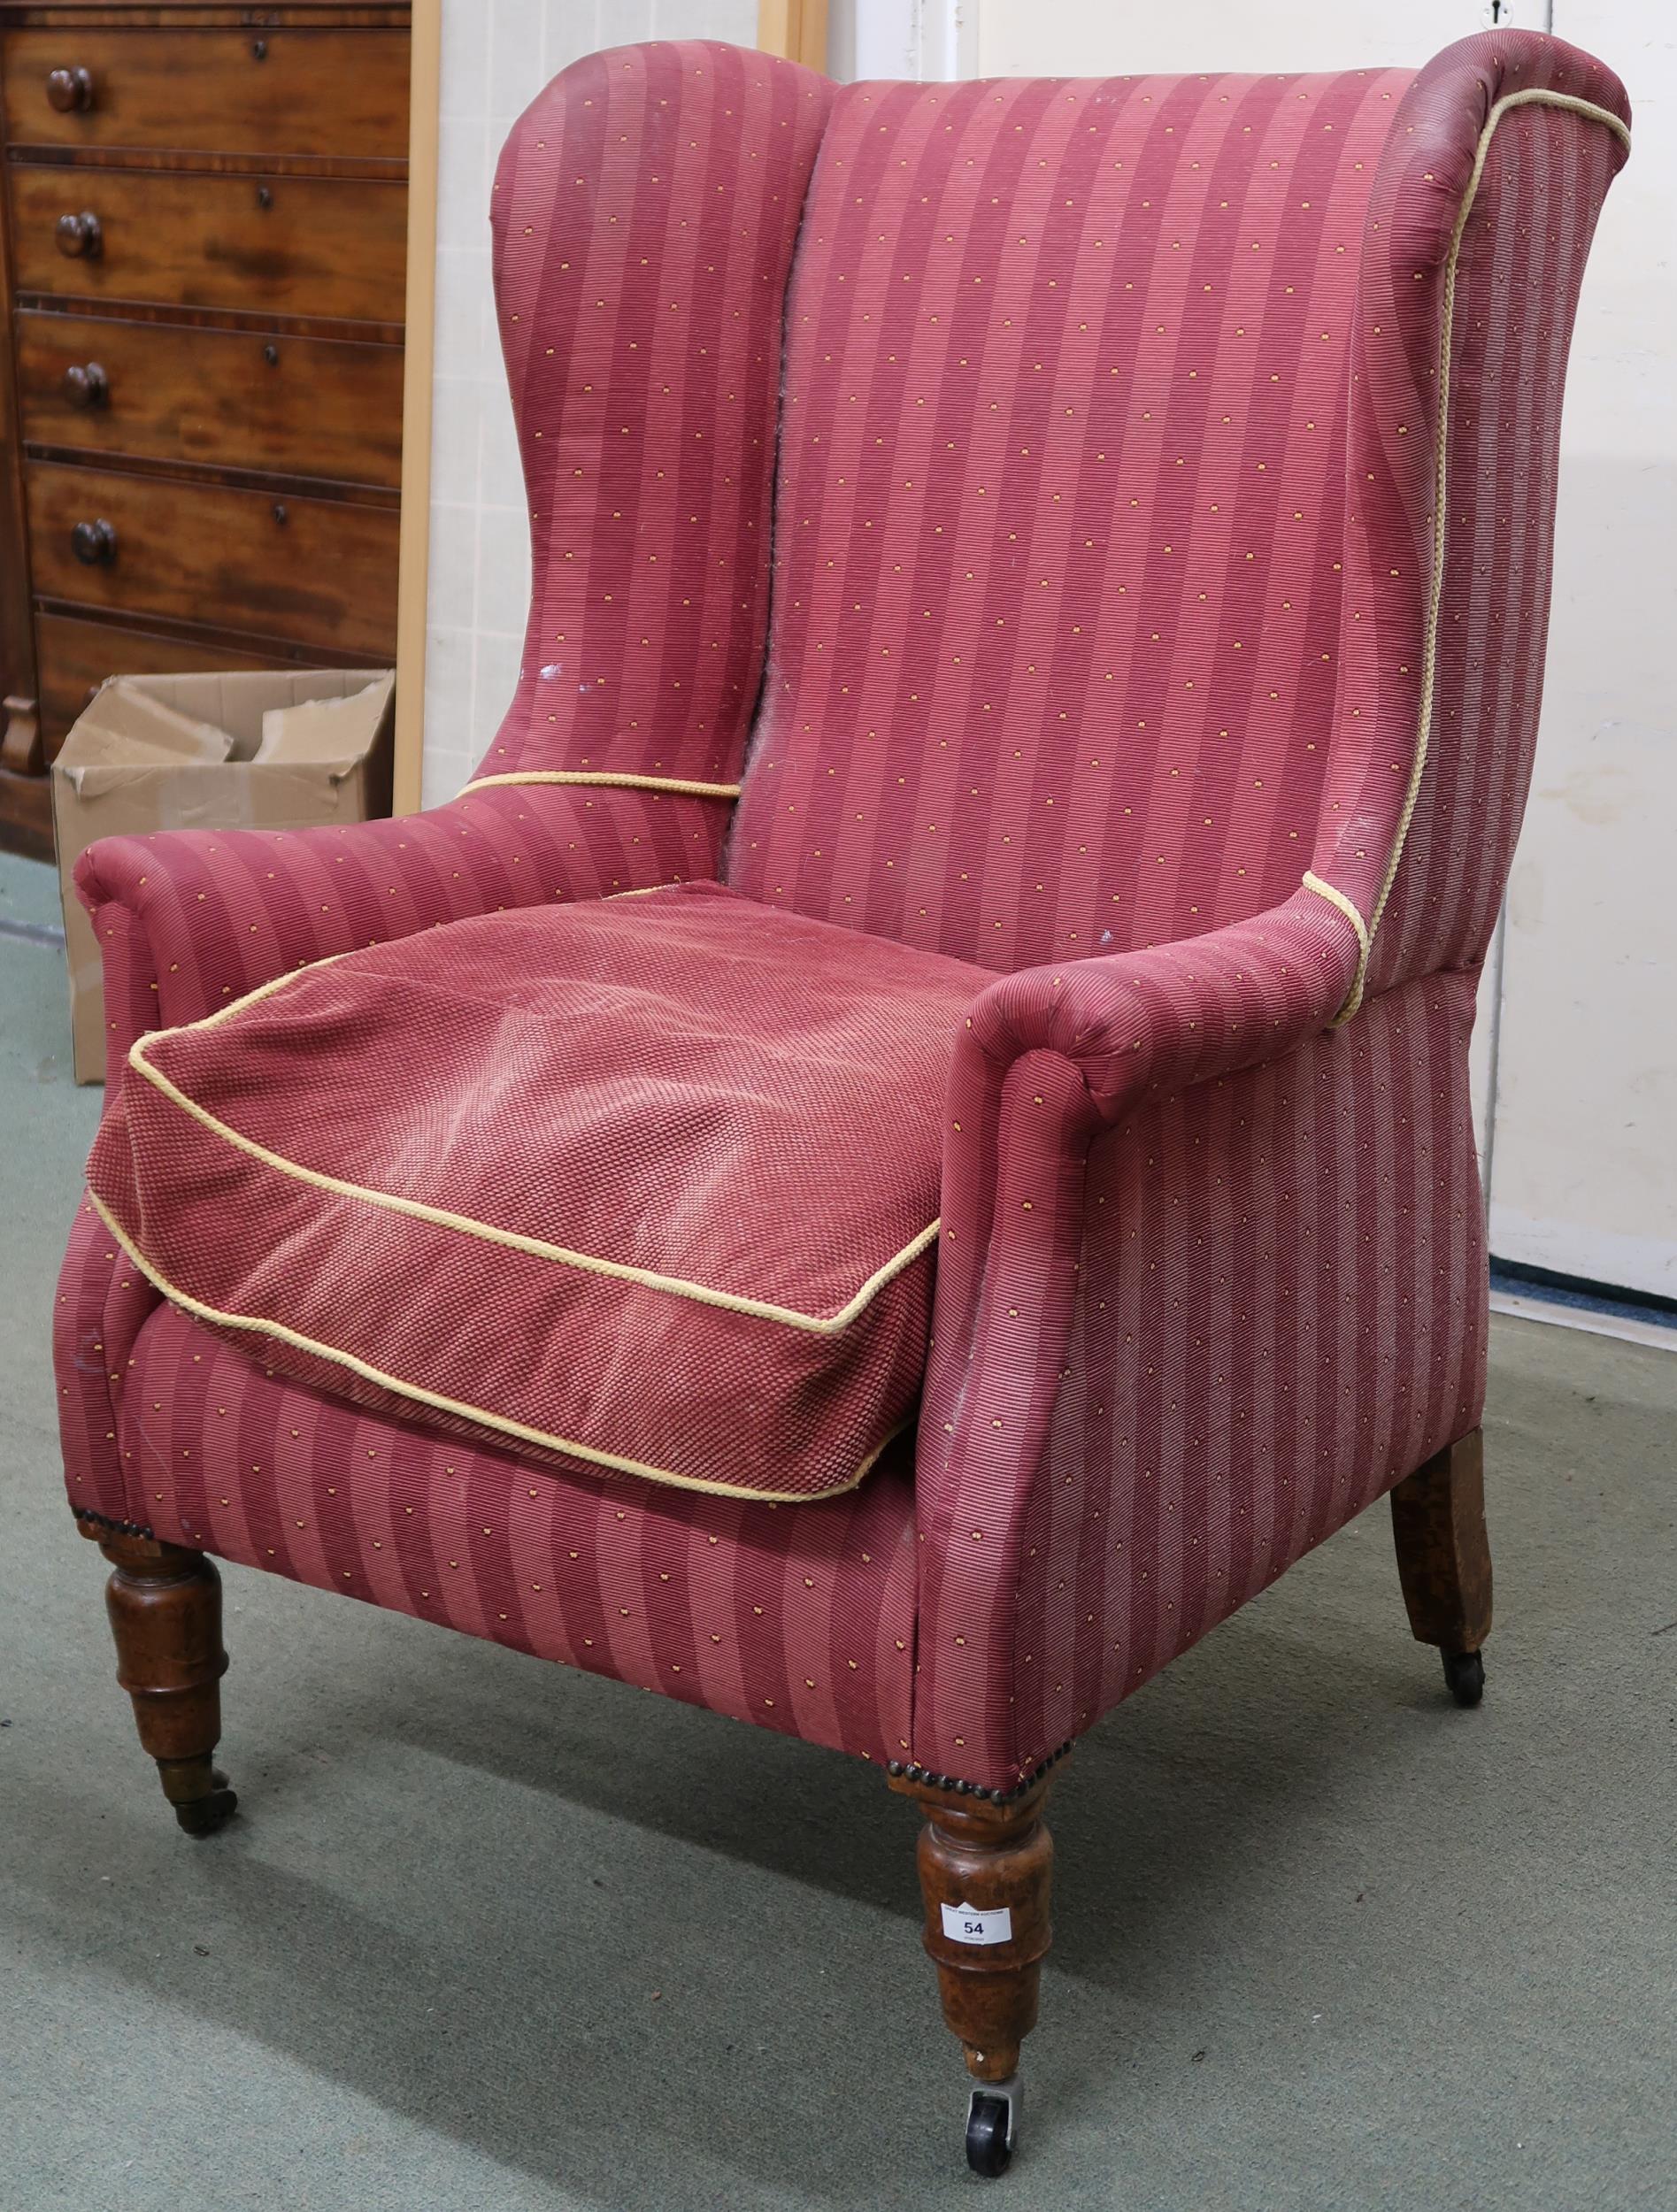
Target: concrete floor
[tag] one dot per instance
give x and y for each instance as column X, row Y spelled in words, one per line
column 490, row 1936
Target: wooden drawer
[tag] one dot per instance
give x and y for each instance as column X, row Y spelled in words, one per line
column 232, row 399
column 325, row 246
column 75, row 657
column 342, row 92
column 319, row 571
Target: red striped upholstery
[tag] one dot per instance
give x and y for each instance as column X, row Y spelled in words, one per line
column 101, row 1307
column 800, row 1618
column 1104, row 603
column 1521, row 263
column 219, row 911
column 189, row 920
column 1262, row 1300
column 1060, row 515
column 649, row 1185
column 645, row 210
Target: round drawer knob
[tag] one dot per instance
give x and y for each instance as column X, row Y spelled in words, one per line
column 79, row 236
column 85, row 385
column 95, row 543
column 69, row 90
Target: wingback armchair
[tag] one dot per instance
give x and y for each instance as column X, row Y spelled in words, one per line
column 904, row 1147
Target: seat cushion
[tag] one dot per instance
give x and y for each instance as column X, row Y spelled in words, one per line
column 651, row 1183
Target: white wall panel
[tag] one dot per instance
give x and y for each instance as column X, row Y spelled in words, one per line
column 1586, row 1107
column 920, row 39
column 1084, row 38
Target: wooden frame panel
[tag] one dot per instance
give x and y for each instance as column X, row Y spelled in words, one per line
column 794, row 28
column 414, row 559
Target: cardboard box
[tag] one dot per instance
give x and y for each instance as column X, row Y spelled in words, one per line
column 250, row 750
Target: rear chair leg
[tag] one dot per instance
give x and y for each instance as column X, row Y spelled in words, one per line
column 1444, row 1559
column 164, row 1605
column 984, row 1868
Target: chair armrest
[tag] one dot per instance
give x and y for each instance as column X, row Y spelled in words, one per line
column 1171, row 1015
column 1051, row 1058
column 190, row 919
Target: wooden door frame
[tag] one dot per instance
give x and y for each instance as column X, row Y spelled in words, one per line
column 420, row 337
column 794, row 28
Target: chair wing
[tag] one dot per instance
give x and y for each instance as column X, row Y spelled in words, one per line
column 1484, row 207
column 645, row 211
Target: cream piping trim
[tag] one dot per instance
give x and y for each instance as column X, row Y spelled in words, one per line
column 1534, row 96
column 480, row 1414
column 618, row 783
column 538, row 1248
column 1337, row 897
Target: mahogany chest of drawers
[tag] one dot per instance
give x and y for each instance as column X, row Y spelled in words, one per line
column 202, row 251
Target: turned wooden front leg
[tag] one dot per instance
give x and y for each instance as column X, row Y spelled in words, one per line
column 164, row 1605
column 982, row 1859
column 1444, row 1556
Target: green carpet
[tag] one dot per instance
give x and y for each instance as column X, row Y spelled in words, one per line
column 491, row 1937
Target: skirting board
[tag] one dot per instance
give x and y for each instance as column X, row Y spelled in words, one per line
column 1530, row 1307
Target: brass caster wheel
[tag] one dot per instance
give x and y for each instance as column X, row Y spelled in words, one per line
column 1465, row 1671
